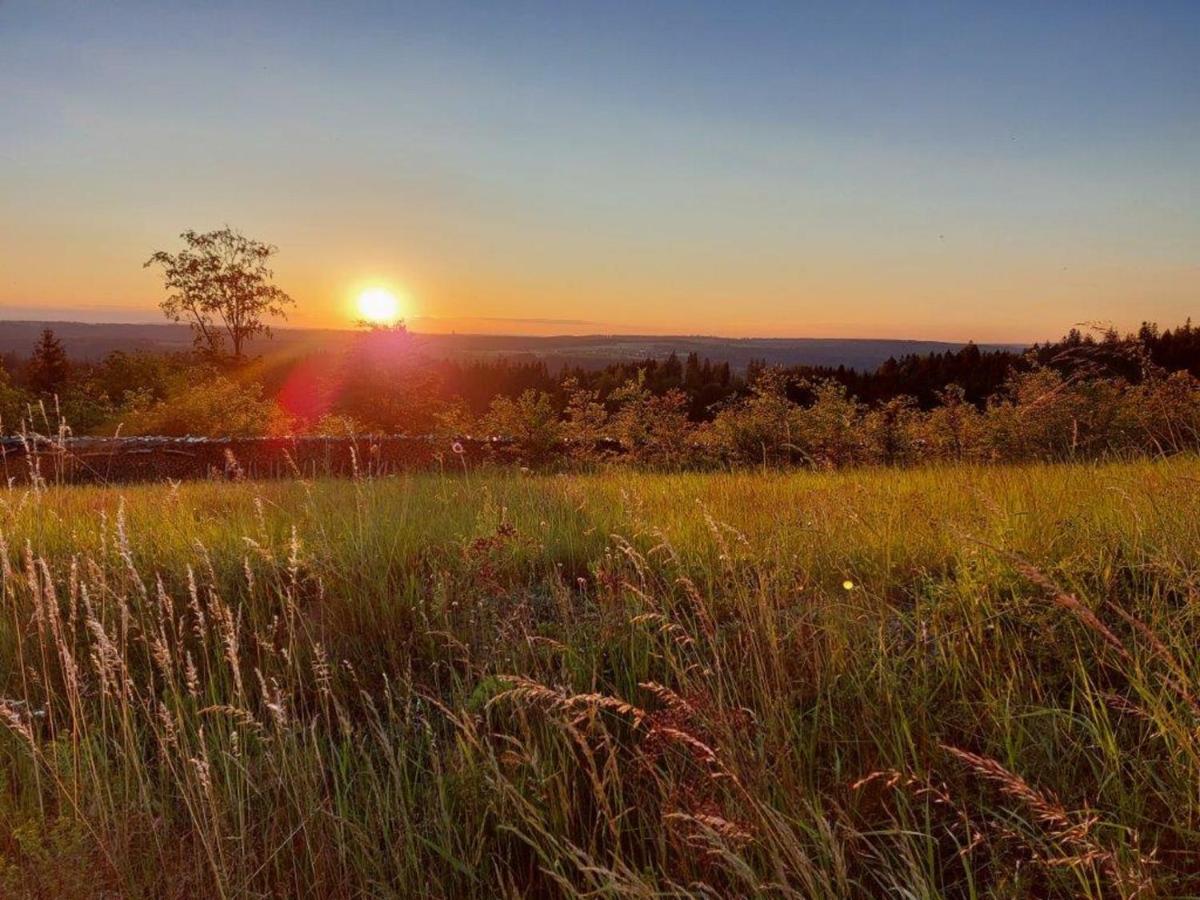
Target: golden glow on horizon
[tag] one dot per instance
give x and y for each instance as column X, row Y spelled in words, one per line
column 379, row 306
column 957, row 297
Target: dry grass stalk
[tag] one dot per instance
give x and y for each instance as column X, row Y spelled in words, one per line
column 1130, row 878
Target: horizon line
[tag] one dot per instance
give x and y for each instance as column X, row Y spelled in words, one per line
column 548, row 337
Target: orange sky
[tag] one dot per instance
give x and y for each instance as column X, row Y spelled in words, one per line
column 952, row 290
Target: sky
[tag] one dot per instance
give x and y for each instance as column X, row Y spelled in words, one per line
column 942, row 170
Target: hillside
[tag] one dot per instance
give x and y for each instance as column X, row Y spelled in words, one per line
column 93, row 341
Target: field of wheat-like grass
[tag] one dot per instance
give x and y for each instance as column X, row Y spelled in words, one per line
column 958, row 681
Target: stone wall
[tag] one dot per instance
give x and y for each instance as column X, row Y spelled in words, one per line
column 122, row 460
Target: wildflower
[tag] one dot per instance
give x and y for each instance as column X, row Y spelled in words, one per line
column 848, row 584
column 457, row 447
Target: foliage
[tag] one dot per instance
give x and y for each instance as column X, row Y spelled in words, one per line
column 830, row 431
column 48, row 365
column 453, row 422
column 1088, row 399
column 761, row 428
column 585, row 421
column 1162, row 413
column 14, row 404
column 122, row 375
column 530, row 421
column 653, row 429
column 383, row 384
column 208, row 405
column 220, row 284
column 954, row 428
column 338, row 426
column 893, row 431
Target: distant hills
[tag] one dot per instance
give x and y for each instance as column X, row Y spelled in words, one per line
column 88, row 341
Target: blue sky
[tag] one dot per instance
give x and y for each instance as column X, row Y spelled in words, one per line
column 996, row 171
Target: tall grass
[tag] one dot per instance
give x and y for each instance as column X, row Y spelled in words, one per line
column 936, row 682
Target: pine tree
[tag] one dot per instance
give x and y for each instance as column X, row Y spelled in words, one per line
column 48, row 366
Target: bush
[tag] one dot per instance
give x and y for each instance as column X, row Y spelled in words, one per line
column 654, row 428
column 952, row 430
column 530, row 421
column 1162, row 414
column 209, row 407
column 14, row 404
column 586, row 422
column 335, row 425
column 761, row 428
column 1051, row 416
column 893, row 431
column 830, row 430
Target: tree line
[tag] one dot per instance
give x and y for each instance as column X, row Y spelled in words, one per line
column 1085, row 395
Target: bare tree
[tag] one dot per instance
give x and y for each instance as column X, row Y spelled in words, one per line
column 220, row 284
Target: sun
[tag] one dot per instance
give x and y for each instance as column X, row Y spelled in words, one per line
column 379, row 305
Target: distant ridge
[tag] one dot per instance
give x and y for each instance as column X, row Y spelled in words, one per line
column 92, row 341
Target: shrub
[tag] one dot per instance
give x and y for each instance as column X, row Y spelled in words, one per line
column 1162, row 414
column 892, row 431
column 952, row 430
column 586, row 421
column 831, row 428
column 453, row 422
column 761, row 427
column 530, row 421
column 1051, row 416
column 337, row 425
column 654, row 428
column 210, row 407
column 14, row 404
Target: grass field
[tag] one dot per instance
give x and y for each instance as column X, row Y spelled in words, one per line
column 977, row 682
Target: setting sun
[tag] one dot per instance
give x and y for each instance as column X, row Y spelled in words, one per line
column 378, row 305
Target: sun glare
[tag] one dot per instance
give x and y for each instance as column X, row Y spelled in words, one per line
column 379, row 305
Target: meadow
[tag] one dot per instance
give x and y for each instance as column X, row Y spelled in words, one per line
column 954, row 680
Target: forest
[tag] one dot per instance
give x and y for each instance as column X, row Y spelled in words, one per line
column 1089, row 394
